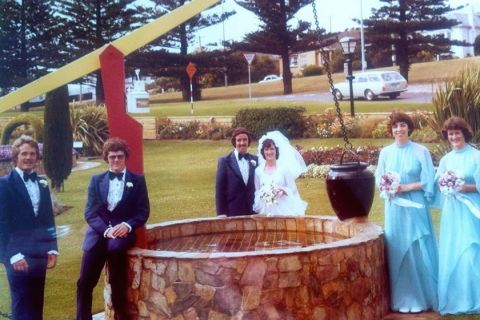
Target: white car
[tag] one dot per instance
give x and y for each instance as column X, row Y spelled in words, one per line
column 372, row 84
column 271, row 77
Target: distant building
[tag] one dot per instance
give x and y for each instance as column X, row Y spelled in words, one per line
column 299, row 60
column 467, row 30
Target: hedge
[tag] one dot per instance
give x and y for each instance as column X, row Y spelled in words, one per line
column 290, row 121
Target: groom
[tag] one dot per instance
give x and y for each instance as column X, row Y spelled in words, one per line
column 235, row 187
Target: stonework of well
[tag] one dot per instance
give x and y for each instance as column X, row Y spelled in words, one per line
column 344, row 279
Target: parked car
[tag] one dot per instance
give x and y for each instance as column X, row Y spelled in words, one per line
column 372, row 84
column 271, row 77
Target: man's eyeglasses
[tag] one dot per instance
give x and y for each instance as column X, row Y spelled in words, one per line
column 116, row 156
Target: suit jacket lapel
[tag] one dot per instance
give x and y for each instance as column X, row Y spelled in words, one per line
column 232, row 162
column 251, row 168
column 19, row 186
column 126, row 188
column 103, row 186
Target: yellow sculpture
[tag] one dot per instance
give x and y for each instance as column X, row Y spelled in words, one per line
column 90, row 62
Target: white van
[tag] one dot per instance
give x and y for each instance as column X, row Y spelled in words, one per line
column 372, row 84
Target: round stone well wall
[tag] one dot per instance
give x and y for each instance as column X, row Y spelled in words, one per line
column 343, row 279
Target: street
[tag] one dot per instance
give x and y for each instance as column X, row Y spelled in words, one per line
column 421, row 93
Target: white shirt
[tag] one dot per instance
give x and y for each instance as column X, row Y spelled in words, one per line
column 115, row 191
column 115, row 194
column 243, row 165
column 33, row 191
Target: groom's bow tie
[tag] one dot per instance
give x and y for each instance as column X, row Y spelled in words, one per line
column 242, row 156
column 113, row 175
column 30, row 176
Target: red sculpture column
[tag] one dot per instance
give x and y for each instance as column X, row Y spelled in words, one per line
column 119, row 122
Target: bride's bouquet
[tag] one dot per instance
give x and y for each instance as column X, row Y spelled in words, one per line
column 450, row 183
column 268, row 194
column 389, row 184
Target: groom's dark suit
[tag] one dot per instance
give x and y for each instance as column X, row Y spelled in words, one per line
column 21, row 231
column 232, row 196
column 133, row 209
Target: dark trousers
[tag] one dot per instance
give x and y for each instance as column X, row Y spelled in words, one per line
column 27, row 289
column 91, row 269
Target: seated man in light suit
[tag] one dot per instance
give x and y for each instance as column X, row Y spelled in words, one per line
column 27, row 231
column 117, row 204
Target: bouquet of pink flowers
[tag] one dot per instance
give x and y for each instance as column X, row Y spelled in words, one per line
column 451, row 182
column 389, row 183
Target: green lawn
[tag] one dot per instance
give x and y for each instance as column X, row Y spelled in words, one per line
column 181, row 178
column 231, row 107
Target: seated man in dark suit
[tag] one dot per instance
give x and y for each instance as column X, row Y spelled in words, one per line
column 235, row 186
column 117, row 204
column 27, row 231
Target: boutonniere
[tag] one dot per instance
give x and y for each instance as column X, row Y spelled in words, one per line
column 129, row 184
column 43, row 183
column 253, row 163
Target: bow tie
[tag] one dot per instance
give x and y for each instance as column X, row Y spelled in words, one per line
column 113, row 175
column 242, row 156
column 30, row 176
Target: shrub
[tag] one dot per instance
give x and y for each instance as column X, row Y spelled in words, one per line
column 90, row 126
column 312, row 70
column 290, row 121
column 191, row 130
column 381, row 130
column 327, row 156
column 35, row 124
column 459, row 97
column 368, row 124
column 425, row 135
column 57, row 150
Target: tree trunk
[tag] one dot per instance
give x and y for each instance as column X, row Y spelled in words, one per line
column 287, row 74
column 99, row 88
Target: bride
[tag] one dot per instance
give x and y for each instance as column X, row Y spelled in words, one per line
column 279, row 165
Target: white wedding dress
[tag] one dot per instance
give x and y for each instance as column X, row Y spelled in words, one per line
column 289, row 166
column 288, row 204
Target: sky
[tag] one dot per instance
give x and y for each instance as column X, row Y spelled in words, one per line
column 333, row 16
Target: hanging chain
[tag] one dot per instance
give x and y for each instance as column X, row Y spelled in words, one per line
column 330, row 80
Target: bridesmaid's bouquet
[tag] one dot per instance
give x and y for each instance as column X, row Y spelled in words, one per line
column 451, row 183
column 389, row 183
column 268, row 194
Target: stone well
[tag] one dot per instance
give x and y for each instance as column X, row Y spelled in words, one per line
column 258, row 267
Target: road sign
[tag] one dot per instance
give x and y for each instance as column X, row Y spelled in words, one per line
column 191, row 70
column 249, row 57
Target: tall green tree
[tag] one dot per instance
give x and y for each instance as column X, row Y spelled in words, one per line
column 407, row 25
column 57, row 137
column 277, row 35
column 178, row 42
column 29, row 39
column 94, row 23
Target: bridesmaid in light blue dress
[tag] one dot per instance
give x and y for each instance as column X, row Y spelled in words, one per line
column 411, row 244
column 459, row 243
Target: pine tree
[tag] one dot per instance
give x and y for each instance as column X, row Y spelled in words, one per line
column 29, row 35
column 57, row 137
column 179, row 39
column 277, row 36
column 94, row 23
column 403, row 24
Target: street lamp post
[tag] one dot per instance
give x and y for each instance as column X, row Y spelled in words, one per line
column 348, row 47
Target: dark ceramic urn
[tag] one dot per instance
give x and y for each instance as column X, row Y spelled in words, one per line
column 351, row 188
